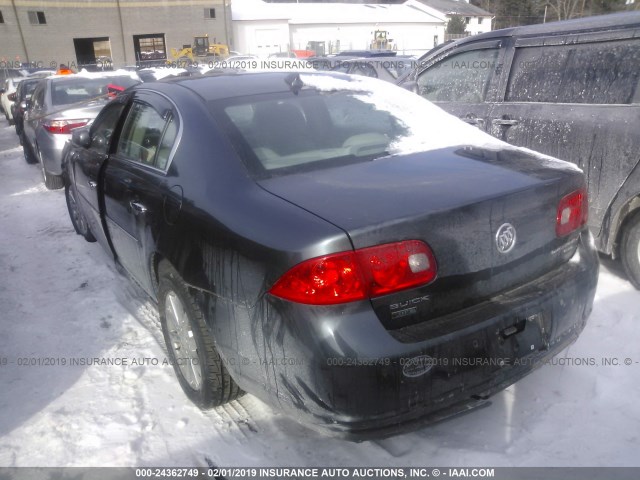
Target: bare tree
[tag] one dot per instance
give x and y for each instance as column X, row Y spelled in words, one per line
column 564, row 9
column 510, row 13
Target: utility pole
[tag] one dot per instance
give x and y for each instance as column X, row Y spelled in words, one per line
column 124, row 47
column 24, row 45
column 228, row 29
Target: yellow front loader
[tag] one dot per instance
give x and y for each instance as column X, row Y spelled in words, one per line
column 200, row 48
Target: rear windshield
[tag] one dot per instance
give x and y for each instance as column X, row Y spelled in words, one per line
column 336, row 120
column 65, row 91
column 288, row 131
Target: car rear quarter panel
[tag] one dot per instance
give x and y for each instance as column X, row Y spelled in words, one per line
column 231, row 240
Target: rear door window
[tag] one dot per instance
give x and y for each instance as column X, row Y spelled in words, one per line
column 592, row 73
column 149, row 134
column 38, row 96
column 464, row 77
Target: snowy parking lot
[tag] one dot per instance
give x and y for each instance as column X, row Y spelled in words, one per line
column 65, row 310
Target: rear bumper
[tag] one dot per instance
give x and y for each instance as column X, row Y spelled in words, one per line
column 350, row 377
column 6, row 107
column 50, row 147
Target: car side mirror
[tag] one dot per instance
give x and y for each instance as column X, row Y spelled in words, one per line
column 81, row 138
column 99, row 142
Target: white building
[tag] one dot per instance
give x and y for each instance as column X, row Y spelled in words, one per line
column 477, row 19
column 262, row 28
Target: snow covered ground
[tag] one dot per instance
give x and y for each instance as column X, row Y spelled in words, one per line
column 61, row 300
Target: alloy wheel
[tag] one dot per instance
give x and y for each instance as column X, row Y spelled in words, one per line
column 183, row 343
column 78, row 218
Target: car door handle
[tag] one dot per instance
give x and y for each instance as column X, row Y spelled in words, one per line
column 504, row 122
column 92, row 184
column 137, row 207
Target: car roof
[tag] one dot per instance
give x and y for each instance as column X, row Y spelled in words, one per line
column 41, row 74
column 91, row 76
column 366, row 53
column 233, row 84
column 614, row 21
column 29, row 80
column 375, row 59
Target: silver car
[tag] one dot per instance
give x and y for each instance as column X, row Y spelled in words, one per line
column 58, row 105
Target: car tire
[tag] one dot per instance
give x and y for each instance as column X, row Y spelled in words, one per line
column 196, row 362
column 51, row 181
column 29, row 156
column 630, row 250
column 78, row 219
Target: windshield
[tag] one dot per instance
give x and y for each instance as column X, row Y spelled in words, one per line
column 334, row 120
column 65, row 91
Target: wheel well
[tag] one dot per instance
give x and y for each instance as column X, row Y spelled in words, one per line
column 627, row 213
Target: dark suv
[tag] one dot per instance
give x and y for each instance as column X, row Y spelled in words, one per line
column 568, row 89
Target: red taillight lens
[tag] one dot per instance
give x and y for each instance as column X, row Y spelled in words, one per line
column 113, row 90
column 573, row 212
column 397, row 266
column 350, row 276
column 323, row 281
column 11, row 97
column 63, row 126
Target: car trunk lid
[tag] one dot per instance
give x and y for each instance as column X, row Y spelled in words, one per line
column 459, row 201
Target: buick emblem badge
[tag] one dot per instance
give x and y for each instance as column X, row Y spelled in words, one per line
column 506, row 238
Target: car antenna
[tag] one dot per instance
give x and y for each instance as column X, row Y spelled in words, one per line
column 294, row 82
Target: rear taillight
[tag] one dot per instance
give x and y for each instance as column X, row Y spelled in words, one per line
column 357, row 275
column 397, row 266
column 64, row 126
column 113, row 90
column 11, row 97
column 335, row 278
column 573, row 212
